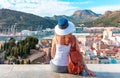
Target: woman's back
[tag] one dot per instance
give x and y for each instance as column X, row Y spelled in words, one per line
column 64, row 39
column 63, row 44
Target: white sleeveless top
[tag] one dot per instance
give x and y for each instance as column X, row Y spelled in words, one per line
column 61, row 56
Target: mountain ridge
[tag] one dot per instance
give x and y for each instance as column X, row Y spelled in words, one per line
column 29, row 21
column 79, row 16
column 23, row 20
column 109, row 18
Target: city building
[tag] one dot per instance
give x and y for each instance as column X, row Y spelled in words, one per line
column 92, row 61
column 103, row 60
column 117, row 56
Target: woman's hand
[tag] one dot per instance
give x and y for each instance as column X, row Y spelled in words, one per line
column 90, row 73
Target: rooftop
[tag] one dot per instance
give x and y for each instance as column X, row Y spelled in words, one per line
column 44, row 71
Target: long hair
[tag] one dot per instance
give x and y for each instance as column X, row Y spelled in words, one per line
column 63, row 39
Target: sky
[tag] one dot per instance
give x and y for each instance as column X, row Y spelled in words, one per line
column 59, row 7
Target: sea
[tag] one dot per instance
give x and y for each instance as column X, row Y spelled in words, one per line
column 17, row 38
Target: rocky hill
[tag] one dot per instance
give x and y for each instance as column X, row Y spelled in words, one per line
column 23, row 20
column 110, row 18
column 84, row 15
column 79, row 16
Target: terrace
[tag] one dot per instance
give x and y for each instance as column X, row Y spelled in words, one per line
column 44, row 71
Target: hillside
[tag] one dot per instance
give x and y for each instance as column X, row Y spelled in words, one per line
column 55, row 17
column 79, row 16
column 110, row 18
column 23, row 20
column 82, row 16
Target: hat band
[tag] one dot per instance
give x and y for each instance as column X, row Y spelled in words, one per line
column 63, row 27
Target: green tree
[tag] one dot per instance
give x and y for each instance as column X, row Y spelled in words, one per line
column 32, row 41
column 21, row 49
column 11, row 42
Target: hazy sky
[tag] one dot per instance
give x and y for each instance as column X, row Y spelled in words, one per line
column 59, row 7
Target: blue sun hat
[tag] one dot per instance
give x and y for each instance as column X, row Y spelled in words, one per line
column 64, row 27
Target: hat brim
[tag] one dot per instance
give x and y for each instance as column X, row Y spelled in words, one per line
column 65, row 31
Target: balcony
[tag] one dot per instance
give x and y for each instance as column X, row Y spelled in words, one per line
column 44, row 71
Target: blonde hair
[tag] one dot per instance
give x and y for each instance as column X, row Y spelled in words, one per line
column 63, row 39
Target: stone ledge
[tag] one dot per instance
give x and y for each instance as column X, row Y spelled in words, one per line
column 44, row 71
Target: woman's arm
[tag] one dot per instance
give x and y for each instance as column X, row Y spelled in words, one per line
column 53, row 48
column 77, row 47
column 88, row 71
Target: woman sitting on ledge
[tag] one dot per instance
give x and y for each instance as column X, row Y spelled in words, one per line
column 61, row 44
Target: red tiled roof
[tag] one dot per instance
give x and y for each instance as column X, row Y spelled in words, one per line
column 110, row 52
